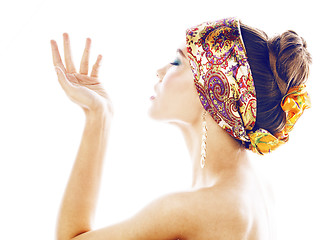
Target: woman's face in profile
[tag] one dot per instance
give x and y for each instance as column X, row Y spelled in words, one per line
column 176, row 98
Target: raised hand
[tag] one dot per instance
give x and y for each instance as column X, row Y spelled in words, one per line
column 83, row 89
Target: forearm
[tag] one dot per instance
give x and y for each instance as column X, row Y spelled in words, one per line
column 78, row 204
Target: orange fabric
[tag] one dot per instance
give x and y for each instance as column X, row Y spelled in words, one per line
column 293, row 104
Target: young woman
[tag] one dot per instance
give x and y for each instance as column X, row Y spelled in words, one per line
column 249, row 94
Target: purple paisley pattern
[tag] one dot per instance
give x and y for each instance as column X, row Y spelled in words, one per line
column 222, row 75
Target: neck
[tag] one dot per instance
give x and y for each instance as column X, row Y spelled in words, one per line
column 224, row 156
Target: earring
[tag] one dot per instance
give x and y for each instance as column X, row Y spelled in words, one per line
column 204, row 137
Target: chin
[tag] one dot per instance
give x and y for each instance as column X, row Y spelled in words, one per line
column 157, row 115
column 153, row 113
column 165, row 113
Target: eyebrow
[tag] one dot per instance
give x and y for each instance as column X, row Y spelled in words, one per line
column 181, row 53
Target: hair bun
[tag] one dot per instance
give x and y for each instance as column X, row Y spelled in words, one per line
column 289, row 60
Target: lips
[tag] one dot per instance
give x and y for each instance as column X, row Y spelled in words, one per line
column 152, row 97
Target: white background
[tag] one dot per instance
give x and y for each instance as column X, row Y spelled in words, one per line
column 40, row 128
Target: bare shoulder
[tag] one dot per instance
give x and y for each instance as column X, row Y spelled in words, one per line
column 236, row 210
column 231, row 211
column 226, row 208
column 210, row 213
column 168, row 217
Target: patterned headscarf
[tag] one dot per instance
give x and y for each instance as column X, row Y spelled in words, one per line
column 225, row 86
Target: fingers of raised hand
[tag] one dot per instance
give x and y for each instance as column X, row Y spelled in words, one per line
column 57, row 61
column 67, row 54
column 69, row 67
column 85, row 58
column 96, row 66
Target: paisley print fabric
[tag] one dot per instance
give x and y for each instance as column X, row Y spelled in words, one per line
column 222, row 75
column 225, row 86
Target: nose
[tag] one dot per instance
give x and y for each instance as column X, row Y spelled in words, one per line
column 161, row 72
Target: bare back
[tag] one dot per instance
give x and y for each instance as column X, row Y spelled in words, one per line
column 234, row 209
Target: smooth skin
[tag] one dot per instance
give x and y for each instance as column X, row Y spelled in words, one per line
column 227, row 201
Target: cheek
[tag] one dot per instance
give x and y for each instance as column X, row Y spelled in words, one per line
column 177, row 98
column 178, row 84
column 179, row 93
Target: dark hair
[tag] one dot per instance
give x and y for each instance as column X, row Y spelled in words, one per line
column 277, row 64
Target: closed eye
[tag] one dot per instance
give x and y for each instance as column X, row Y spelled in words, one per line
column 176, row 62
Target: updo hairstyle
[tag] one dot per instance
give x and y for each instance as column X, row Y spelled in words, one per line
column 277, row 64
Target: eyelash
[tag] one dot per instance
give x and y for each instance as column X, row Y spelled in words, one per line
column 176, row 62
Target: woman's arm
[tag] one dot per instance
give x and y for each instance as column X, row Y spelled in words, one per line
column 78, row 204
